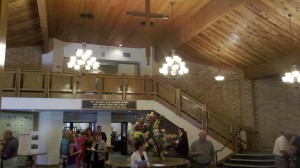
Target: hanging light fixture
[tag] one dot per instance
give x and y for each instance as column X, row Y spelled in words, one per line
column 292, row 77
column 174, row 66
column 83, row 59
column 219, row 77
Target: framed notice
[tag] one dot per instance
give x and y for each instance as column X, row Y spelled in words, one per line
column 28, row 143
column 108, row 105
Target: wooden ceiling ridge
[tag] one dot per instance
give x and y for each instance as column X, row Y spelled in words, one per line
column 208, row 15
column 42, row 8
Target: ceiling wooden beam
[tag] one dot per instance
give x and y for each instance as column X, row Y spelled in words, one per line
column 3, row 34
column 206, row 16
column 278, row 66
column 42, row 7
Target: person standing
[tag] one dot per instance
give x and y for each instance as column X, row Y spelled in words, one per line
column 98, row 150
column 202, row 152
column 139, row 158
column 182, row 148
column 281, row 150
column 73, row 152
column 10, row 150
column 88, row 144
column 81, row 146
column 103, row 135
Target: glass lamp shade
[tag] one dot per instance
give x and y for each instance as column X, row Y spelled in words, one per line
column 96, row 65
column 70, row 65
column 219, row 78
column 79, row 52
column 93, row 59
column 88, row 53
column 80, row 62
column 87, row 67
column 76, row 67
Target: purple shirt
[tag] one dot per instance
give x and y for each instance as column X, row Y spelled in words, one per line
column 72, row 159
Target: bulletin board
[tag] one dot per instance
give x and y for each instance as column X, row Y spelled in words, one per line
column 16, row 122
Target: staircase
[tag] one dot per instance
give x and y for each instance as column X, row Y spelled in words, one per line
column 250, row 161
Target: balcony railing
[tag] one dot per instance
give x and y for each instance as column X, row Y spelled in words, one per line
column 40, row 84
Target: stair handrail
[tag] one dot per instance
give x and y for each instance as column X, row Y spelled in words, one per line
column 227, row 143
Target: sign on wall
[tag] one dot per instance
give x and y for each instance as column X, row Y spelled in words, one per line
column 108, row 105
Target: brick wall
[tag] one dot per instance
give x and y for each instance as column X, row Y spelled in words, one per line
column 25, row 58
column 232, row 97
column 266, row 105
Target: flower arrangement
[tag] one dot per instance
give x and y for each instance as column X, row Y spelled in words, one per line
column 146, row 130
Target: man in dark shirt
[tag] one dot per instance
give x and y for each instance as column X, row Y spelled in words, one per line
column 182, row 148
column 296, row 151
column 10, row 150
column 99, row 132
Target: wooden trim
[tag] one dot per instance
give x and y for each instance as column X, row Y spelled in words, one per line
column 178, row 102
column 3, row 34
column 42, row 8
column 100, row 85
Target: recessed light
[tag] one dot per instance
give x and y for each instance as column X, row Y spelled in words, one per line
column 120, row 45
column 32, row 110
column 129, row 111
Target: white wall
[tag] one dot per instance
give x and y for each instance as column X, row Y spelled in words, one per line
column 104, row 118
column 50, row 134
column 64, row 49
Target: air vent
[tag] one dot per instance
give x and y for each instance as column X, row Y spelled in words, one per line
column 126, row 55
column 103, row 54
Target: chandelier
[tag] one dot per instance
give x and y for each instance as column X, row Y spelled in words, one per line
column 219, row 77
column 292, row 77
column 83, row 61
column 174, row 66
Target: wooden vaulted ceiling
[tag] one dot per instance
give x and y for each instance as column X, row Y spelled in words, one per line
column 23, row 27
column 252, row 35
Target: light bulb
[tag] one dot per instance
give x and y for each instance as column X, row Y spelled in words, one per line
column 79, row 52
column 76, row 67
column 219, row 78
column 284, row 79
column 96, row 65
column 70, row 65
column 93, row 59
column 73, row 58
column 87, row 67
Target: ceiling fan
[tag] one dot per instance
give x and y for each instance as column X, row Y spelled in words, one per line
column 147, row 23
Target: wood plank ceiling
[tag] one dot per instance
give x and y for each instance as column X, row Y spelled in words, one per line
column 23, row 24
column 111, row 25
column 252, row 34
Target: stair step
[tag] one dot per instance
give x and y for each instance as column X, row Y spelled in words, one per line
column 254, row 156
column 248, row 166
column 252, row 160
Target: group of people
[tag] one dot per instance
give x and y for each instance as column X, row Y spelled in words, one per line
column 87, row 150
column 287, row 151
column 201, row 153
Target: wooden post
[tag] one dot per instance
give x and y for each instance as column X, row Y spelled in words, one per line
column 3, row 33
column 177, row 100
column 204, row 118
column 147, row 87
column 48, row 84
column 124, row 83
column 100, row 85
column 18, row 82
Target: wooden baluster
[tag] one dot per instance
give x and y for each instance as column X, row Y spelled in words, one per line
column 18, row 82
column 124, row 86
column 100, row 85
column 204, row 117
column 47, row 84
column 177, row 100
column 147, row 87
column 155, row 87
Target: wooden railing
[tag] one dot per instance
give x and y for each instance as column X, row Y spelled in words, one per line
column 39, row 84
